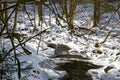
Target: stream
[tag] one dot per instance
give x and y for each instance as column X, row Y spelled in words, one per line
column 76, row 67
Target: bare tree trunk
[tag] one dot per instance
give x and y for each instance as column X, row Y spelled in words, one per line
column 50, row 14
column 65, row 12
column 73, row 5
column 69, row 12
column 5, row 14
column 34, row 11
column 15, row 19
column 1, row 13
column 40, row 11
column 96, row 12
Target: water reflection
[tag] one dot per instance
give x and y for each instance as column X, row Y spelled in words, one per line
column 76, row 69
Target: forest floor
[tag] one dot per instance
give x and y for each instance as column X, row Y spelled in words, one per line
column 106, row 55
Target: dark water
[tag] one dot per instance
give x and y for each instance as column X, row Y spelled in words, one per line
column 76, row 66
column 76, row 69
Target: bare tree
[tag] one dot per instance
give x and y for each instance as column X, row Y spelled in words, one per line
column 96, row 14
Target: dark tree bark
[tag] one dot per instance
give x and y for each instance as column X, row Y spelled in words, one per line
column 96, row 14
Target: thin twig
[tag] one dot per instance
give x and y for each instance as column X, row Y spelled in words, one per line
column 110, row 32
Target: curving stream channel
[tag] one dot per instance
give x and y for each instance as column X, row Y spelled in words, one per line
column 76, row 67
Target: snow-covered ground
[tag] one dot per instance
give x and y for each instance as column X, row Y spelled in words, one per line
column 42, row 63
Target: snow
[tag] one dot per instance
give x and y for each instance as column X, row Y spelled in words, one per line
column 44, row 65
